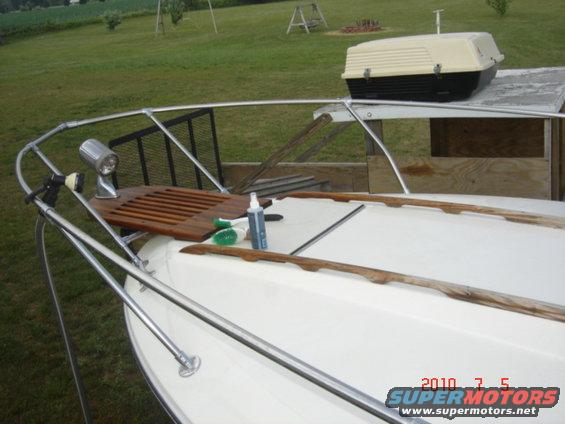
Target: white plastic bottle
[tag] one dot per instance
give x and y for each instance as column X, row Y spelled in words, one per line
column 257, row 229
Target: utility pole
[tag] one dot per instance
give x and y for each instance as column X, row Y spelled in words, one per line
column 159, row 20
column 438, row 20
column 213, row 18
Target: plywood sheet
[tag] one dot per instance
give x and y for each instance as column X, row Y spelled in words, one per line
column 514, row 177
column 477, row 137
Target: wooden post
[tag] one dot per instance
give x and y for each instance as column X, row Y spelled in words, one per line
column 320, row 14
column 371, row 148
column 291, row 21
column 557, row 157
column 304, row 20
column 554, row 156
column 299, row 139
column 438, row 137
column 561, row 156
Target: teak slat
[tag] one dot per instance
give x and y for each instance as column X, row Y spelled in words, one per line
column 147, row 217
column 456, row 291
column 447, row 207
column 170, row 201
column 199, row 198
column 195, row 193
column 150, row 205
column 180, row 198
column 143, row 209
column 173, row 211
column 194, row 199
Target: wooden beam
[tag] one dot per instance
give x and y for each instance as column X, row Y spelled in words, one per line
column 280, row 154
column 342, row 176
column 456, row 291
column 317, row 147
column 447, row 207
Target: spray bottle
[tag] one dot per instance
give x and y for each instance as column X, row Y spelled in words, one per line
column 257, row 224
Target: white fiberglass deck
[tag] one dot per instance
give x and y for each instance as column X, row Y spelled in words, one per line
column 371, row 336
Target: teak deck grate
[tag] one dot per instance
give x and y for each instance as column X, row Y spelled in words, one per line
column 182, row 213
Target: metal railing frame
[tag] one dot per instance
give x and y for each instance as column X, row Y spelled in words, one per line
column 83, row 243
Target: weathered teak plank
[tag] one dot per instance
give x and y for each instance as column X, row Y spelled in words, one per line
column 456, row 291
column 447, row 207
column 182, row 213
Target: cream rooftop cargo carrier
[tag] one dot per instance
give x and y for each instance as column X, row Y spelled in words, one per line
column 437, row 67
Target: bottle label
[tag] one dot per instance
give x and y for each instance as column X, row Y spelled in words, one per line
column 257, row 230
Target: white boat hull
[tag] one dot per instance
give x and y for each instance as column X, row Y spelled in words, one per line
column 373, row 337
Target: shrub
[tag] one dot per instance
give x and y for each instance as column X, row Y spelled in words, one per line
column 112, row 18
column 176, row 9
column 500, row 6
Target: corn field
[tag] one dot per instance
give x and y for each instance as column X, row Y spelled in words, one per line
column 61, row 17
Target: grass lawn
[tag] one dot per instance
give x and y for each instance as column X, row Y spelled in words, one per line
column 88, row 71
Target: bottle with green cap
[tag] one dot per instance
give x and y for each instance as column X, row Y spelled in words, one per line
column 257, row 229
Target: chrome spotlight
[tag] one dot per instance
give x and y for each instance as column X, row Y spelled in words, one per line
column 104, row 161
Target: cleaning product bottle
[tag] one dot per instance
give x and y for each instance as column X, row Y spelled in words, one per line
column 257, row 224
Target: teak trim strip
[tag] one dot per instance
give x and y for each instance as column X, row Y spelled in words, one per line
column 455, row 291
column 447, row 207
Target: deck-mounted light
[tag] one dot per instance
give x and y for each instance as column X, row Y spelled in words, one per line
column 104, row 161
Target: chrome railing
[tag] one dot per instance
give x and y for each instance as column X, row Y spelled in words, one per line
column 86, row 244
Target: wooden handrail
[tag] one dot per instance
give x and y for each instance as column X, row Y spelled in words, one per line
column 447, row 207
column 456, row 291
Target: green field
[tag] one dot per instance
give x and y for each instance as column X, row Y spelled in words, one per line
column 55, row 18
column 88, row 71
column 60, row 17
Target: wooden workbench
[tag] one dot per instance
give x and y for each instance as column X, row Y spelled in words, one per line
column 481, row 152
